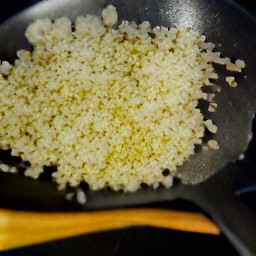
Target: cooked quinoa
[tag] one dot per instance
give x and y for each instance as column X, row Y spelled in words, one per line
column 114, row 107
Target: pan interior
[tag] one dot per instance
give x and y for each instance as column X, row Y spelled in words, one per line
column 216, row 20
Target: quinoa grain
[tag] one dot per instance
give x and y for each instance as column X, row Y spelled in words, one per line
column 109, row 106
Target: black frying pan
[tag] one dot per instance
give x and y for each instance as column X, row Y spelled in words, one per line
column 211, row 178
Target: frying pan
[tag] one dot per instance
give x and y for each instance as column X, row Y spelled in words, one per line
column 210, row 178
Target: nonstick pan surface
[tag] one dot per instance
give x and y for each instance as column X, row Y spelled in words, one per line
column 210, row 178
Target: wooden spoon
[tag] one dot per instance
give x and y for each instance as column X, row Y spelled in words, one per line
column 21, row 228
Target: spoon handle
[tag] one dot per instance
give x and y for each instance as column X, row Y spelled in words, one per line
column 22, row 228
column 218, row 196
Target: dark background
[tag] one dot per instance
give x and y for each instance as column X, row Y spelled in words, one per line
column 132, row 241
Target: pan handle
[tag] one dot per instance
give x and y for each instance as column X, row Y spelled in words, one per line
column 217, row 196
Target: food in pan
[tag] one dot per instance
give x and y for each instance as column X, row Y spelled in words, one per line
column 114, row 106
